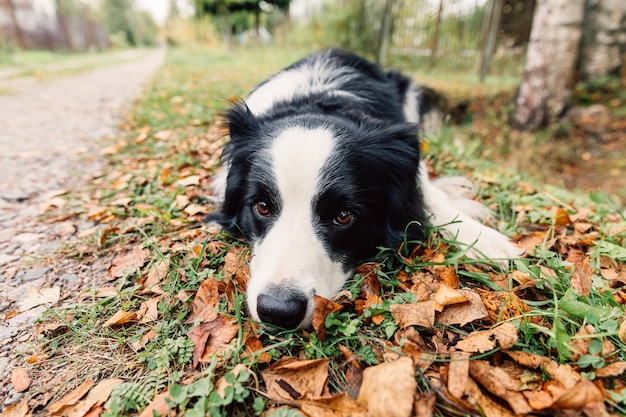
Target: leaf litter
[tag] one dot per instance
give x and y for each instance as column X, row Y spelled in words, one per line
column 419, row 333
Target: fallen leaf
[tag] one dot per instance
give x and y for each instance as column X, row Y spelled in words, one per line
column 445, row 296
column 414, row 314
column 582, row 393
column 129, row 262
column 20, row 379
column 120, row 318
column 149, row 310
column 141, row 343
column 157, row 272
column 19, row 409
column 614, row 369
column 482, row 341
column 502, row 306
column 291, row 379
column 564, row 375
column 205, row 305
column 323, row 307
column 338, row 405
column 158, row 406
column 499, row 383
column 39, row 296
column 96, row 397
column 388, row 389
column 581, row 278
column 211, row 337
column 531, row 360
column 186, row 182
column 466, row 312
column 72, row 398
column 424, row 404
column 458, row 373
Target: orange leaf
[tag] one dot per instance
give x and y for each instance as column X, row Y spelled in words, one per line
column 72, row 398
column 482, row 341
column 211, row 337
column 20, row 379
column 323, row 307
column 291, row 379
column 388, row 389
column 335, row 406
column 414, row 314
column 466, row 312
column 206, row 303
column 581, row 278
column 128, row 262
column 121, row 317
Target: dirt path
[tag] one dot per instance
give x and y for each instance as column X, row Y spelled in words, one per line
column 50, row 140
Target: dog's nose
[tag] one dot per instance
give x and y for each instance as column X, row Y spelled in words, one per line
column 282, row 311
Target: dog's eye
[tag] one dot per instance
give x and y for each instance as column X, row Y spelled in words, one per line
column 344, row 217
column 262, row 208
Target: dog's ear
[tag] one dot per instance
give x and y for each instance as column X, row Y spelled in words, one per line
column 392, row 157
column 243, row 127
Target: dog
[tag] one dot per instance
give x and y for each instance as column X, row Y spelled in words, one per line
column 322, row 169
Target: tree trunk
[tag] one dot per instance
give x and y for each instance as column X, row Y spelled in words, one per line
column 604, row 39
column 550, row 63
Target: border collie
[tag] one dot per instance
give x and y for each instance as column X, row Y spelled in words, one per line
column 322, row 169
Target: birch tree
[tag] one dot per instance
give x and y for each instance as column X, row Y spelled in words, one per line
column 550, row 63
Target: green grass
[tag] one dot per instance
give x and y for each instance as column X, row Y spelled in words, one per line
column 170, row 137
column 49, row 63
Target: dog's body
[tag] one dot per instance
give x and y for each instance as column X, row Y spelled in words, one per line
column 322, row 169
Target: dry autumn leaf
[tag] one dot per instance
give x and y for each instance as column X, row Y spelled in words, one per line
column 206, row 302
column 504, row 335
column 323, row 307
column 414, row 314
column 465, row 312
column 340, row 405
column 211, row 337
column 458, row 373
column 291, row 379
column 614, row 369
column 445, row 296
column 581, row 278
column 388, row 389
column 120, row 318
column 158, row 406
column 19, row 409
column 582, row 393
column 72, row 398
column 39, row 296
column 128, row 262
column 20, row 379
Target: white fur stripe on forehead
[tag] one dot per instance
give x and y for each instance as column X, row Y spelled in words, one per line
column 298, row 155
column 314, row 76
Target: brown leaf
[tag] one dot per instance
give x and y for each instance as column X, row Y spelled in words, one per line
column 120, row 318
column 149, row 310
column 291, row 379
column 39, row 296
column 414, row 314
column 531, row 360
column 465, row 312
column 128, row 262
column 17, row 410
column 581, row 278
column 614, row 369
column 158, row 271
column 158, row 406
column 388, row 389
column 143, row 341
column 502, row 306
column 20, row 379
column 487, row 406
column 236, row 267
column 323, row 307
column 482, row 341
column 96, row 397
column 564, row 375
column 211, row 337
column 584, row 392
column 205, row 305
column 458, row 373
column 338, row 405
column 498, row 382
column 445, row 296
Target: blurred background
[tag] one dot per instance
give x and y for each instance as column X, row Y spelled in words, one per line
column 555, row 68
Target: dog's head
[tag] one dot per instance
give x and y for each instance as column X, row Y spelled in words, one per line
column 315, row 196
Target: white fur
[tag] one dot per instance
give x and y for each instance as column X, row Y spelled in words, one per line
column 410, row 107
column 312, row 77
column 291, row 255
column 449, row 205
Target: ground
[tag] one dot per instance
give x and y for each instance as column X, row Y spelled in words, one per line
column 53, row 131
column 54, row 142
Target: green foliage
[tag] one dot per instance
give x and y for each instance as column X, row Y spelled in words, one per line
column 128, row 26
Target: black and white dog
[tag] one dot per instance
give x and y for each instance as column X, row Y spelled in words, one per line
column 322, row 169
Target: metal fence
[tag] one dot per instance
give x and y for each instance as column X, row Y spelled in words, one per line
column 482, row 36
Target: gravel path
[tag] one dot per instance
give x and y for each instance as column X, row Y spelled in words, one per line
column 51, row 134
